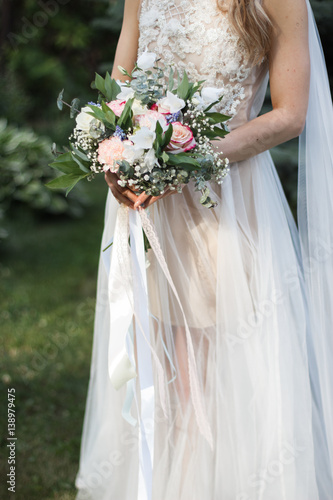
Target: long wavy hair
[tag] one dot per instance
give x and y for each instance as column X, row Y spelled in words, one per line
column 250, row 21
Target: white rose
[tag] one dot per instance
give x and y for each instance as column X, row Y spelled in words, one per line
column 84, row 121
column 143, row 138
column 146, row 60
column 170, row 104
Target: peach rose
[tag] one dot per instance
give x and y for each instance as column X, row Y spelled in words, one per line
column 182, row 139
column 117, row 106
column 110, row 151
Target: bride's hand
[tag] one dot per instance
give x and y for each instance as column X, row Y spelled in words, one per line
column 122, row 194
column 127, row 196
column 145, row 201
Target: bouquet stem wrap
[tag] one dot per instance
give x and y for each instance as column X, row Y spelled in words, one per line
column 128, row 299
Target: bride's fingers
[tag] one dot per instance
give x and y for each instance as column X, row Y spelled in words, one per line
column 122, row 194
column 153, row 199
column 141, row 200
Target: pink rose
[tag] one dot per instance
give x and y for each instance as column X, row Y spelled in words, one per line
column 109, row 151
column 117, row 106
column 149, row 119
column 182, row 139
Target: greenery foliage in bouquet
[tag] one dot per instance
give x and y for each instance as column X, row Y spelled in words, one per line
column 154, row 131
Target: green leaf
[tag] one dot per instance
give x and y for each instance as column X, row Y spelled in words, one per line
column 167, row 136
column 184, row 87
column 216, row 132
column 127, row 113
column 97, row 112
column 67, row 167
column 65, row 181
column 109, row 114
column 158, row 140
column 64, row 157
column 217, row 117
column 204, row 196
column 111, row 87
column 165, row 157
column 220, row 132
column 100, row 83
column 69, row 189
column 80, row 153
column 206, row 200
column 82, row 167
column 65, row 163
column 59, row 100
column 124, row 166
column 182, row 159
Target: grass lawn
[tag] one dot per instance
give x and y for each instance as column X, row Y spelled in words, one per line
column 48, row 271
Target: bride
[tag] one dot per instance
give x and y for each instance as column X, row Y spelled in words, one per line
column 240, row 403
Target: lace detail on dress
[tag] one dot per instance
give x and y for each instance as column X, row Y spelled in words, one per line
column 194, row 35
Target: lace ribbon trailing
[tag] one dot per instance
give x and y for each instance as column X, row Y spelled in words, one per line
column 196, row 393
column 128, row 299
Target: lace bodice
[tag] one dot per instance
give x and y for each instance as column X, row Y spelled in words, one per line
column 195, row 35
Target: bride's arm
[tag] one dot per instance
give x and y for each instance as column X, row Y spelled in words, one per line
column 126, row 55
column 289, row 70
column 127, row 46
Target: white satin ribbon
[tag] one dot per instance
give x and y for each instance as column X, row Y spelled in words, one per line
column 121, row 304
column 147, row 412
column 128, row 298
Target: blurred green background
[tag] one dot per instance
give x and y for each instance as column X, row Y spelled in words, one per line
column 49, row 244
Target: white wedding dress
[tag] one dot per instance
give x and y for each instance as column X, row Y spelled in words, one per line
column 250, row 300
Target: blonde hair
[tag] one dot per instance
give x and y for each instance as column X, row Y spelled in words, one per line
column 250, row 21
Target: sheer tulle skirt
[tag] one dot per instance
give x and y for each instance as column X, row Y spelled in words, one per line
column 238, row 274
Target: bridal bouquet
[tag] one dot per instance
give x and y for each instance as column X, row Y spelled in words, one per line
column 154, row 131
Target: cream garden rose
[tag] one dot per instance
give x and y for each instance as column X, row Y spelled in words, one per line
column 84, row 121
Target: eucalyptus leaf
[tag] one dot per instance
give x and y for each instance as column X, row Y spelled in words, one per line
column 54, row 149
column 165, row 157
column 59, row 100
column 74, row 107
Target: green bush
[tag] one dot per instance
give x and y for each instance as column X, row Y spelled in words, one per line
column 24, row 158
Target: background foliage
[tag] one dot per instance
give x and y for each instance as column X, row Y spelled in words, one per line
column 48, row 264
